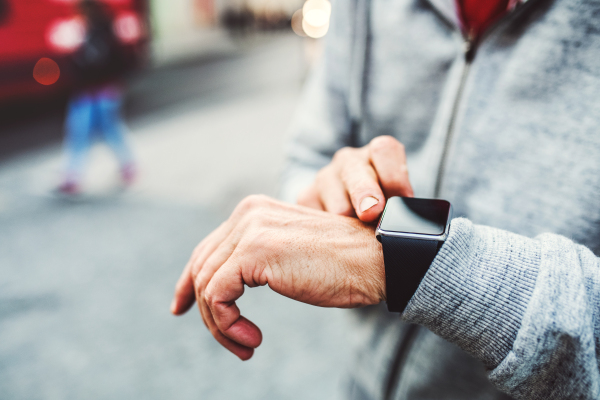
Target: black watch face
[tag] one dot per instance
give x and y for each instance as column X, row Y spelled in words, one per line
column 410, row 215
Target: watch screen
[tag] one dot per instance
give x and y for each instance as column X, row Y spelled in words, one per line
column 410, row 215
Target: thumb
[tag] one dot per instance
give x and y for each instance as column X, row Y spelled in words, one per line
column 225, row 287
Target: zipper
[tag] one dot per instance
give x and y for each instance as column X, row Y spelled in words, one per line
column 470, row 47
column 469, row 50
column 412, row 330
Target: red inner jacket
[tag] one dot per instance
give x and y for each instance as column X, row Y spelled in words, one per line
column 477, row 15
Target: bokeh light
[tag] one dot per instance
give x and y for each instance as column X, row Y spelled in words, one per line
column 128, row 27
column 314, row 31
column 46, row 71
column 297, row 23
column 313, row 19
column 66, row 35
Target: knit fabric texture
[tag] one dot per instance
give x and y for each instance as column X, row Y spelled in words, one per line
column 511, row 303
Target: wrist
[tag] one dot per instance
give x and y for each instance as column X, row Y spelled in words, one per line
column 370, row 272
column 361, row 270
column 378, row 288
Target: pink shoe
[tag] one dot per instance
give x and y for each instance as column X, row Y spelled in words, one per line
column 69, row 188
column 128, row 174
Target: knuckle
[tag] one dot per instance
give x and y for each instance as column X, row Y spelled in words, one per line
column 198, row 249
column 198, row 283
column 209, row 297
column 196, row 268
column 254, row 220
column 343, row 154
column 323, row 173
column 397, row 178
column 385, row 143
column 357, row 175
column 251, row 202
column 402, row 174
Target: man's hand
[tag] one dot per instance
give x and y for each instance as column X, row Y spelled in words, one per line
column 358, row 180
column 311, row 256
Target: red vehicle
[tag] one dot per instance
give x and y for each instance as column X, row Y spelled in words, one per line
column 34, row 29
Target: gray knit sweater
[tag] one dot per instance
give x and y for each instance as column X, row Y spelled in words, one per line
column 511, row 304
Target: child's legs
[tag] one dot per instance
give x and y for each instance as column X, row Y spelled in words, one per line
column 109, row 119
column 78, row 130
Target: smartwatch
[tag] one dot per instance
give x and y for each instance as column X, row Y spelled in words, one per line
column 411, row 232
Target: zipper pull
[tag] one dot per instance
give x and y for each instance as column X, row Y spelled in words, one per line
column 470, row 48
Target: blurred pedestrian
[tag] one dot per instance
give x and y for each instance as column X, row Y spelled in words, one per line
column 99, row 65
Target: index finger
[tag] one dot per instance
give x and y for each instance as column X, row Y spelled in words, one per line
column 388, row 157
column 360, row 181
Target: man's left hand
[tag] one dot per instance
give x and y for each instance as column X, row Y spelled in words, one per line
column 308, row 255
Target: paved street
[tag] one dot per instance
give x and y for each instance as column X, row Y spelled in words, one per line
column 85, row 284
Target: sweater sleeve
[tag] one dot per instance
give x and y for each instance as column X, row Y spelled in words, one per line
column 528, row 308
column 321, row 124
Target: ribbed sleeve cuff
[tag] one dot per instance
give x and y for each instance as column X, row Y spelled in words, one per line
column 477, row 289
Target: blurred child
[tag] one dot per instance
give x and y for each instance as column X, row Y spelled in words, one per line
column 96, row 103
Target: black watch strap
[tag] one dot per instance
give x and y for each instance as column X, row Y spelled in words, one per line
column 406, row 263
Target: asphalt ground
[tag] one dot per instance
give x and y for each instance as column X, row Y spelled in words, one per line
column 86, row 283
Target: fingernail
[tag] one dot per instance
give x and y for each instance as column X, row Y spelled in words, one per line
column 173, row 304
column 367, row 203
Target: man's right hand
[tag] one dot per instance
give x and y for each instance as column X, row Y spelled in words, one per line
column 359, row 180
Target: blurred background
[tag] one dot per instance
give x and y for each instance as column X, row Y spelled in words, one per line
column 86, row 276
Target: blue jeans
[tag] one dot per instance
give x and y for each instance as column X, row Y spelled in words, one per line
column 86, row 114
